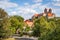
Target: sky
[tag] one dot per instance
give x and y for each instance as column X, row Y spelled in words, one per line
column 27, row 8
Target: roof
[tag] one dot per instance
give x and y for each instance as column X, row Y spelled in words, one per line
column 50, row 14
column 29, row 20
column 36, row 15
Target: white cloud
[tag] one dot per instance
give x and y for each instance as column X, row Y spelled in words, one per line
column 40, row 7
column 7, row 4
column 57, row 11
column 56, row 4
column 36, row 5
column 56, row 0
column 26, row 4
column 37, row 1
column 13, row 13
column 4, row 0
column 29, row 11
column 24, row 12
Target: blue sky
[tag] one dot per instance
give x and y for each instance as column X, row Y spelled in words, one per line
column 27, row 8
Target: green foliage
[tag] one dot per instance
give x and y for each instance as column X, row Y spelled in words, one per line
column 17, row 22
column 54, row 35
column 47, row 29
column 52, row 30
column 40, row 26
column 27, row 29
column 36, row 28
column 4, row 24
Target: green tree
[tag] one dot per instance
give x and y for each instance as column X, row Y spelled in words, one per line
column 27, row 29
column 44, row 29
column 17, row 22
column 51, row 31
column 4, row 24
column 14, row 24
column 36, row 30
column 21, row 21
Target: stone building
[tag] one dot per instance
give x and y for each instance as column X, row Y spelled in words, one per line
column 48, row 14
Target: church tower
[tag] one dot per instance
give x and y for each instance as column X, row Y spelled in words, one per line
column 45, row 10
column 46, row 13
column 50, row 10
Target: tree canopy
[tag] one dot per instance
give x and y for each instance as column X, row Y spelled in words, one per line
column 4, row 24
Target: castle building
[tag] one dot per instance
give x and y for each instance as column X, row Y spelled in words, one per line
column 48, row 14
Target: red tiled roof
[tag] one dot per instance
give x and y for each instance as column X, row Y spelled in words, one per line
column 36, row 15
column 28, row 21
column 50, row 14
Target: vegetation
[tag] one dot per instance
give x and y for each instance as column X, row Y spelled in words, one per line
column 9, row 25
column 49, row 30
column 45, row 29
column 4, row 24
column 17, row 22
column 36, row 28
column 27, row 29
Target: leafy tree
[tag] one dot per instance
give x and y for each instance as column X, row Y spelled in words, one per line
column 36, row 28
column 46, row 30
column 17, row 22
column 51, row 32
column 4, row 24
column 14, row 24
column 21, row 21
column 27, row 29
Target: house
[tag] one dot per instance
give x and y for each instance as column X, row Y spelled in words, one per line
column 29, row 22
